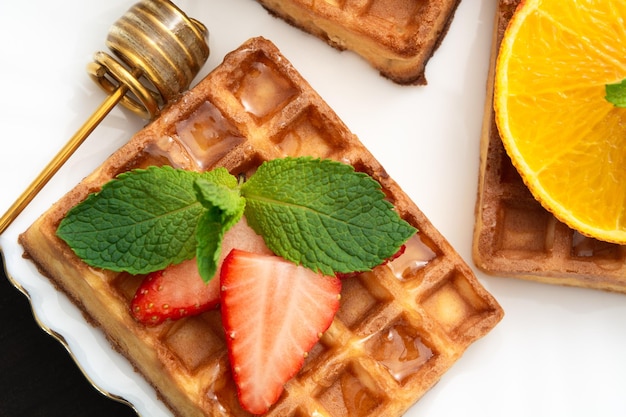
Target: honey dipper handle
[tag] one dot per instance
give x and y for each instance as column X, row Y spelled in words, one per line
column 61, row 157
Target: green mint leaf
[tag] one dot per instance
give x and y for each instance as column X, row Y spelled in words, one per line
column 323, row 215
column 226, row 198
column 142, row 221
column 225, row 207
column 616, row 93
column 210, row 233
column 220, row 176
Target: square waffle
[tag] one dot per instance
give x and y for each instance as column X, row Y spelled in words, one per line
column 514, row 235
column 399, row 327
column 397, row 37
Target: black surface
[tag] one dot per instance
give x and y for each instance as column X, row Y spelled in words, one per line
column 38, row 377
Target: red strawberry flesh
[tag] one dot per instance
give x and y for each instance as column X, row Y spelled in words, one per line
column 273, row 313
column 179, row 291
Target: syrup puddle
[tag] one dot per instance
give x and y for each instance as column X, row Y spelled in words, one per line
column 415, row 257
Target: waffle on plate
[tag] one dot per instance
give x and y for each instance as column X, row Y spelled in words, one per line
column 514, row 235
column 395, row 37
column 252, row 108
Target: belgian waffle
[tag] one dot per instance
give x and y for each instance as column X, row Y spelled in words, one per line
column 397, row 37
column 399, row 327
column 514, row 235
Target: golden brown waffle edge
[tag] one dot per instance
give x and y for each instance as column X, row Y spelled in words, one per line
column 427, row 302
column 514, row 236
column 396, row 38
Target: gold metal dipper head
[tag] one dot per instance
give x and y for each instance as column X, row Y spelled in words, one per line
column 159, row 51
column 166, row 47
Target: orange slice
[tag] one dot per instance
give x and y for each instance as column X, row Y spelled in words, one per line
column 566, row 140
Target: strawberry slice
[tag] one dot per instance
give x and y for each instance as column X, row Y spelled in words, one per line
column 179, row 291
column 175, row 292
column 273, row 313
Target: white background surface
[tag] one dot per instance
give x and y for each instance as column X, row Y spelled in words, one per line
column 558, row 351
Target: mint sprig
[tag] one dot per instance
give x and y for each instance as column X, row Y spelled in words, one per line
column 318, row 213
column 616, row 93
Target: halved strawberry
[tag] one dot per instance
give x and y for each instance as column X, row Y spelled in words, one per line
column 179, row 291
column 175, row 292
column 273, row 313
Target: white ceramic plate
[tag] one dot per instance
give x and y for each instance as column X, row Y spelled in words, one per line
column 558, row 351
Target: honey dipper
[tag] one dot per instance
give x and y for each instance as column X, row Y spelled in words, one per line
column 158, row 51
